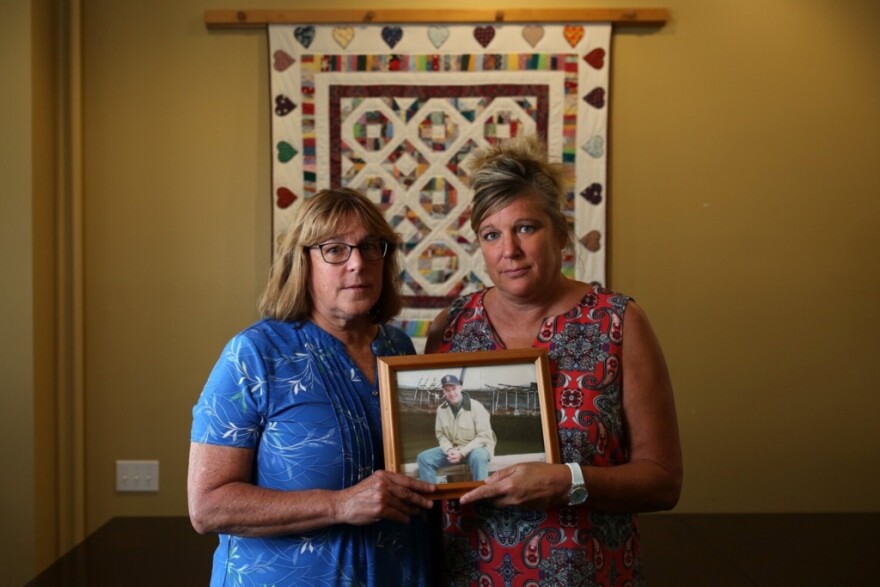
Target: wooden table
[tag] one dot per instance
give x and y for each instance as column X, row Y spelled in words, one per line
column 130, row 552
column 680, row 550
column 778, row 550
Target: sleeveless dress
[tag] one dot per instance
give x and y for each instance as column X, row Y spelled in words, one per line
column 567, row 545
column 292, row 394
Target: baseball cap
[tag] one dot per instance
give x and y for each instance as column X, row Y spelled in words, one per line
column 450, row 380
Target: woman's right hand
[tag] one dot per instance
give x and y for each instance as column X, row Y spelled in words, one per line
column 529, row 485
column 382, row 495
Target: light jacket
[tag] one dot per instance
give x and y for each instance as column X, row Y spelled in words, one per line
column 467, row 430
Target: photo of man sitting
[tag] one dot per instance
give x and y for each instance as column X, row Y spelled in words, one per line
column 464, row 433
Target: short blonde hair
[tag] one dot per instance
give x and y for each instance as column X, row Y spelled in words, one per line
column 512, row 169
column 286, row 296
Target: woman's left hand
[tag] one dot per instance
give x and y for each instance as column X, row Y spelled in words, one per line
column 526, row 485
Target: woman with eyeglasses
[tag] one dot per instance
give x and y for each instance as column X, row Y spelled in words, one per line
column 286, row 459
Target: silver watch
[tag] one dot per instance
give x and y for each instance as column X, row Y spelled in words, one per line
column 578, row 493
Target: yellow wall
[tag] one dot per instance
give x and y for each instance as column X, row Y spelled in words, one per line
column 17, row 507
column 744, row 217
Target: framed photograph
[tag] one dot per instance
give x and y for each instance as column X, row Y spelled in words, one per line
column 455, row 418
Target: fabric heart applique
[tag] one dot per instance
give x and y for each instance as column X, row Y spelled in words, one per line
column 283, row 105
column 284, row 197
column 592, row 241
column 596, row 98
column 343, row 35
column 595, row 146
column 282, row 60
column 305, row 35
column 286, row 152
column 596, row 58
column 533, row 34
column 392, row 35
column 593, row 194
column 438, row 35
column 573, row 34
column 484, row 35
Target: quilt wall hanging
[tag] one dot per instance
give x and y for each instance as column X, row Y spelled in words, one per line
column 395, row 110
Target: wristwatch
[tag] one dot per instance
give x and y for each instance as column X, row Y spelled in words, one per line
column 578, row 492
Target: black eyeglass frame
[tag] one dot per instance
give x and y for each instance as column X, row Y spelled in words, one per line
column 384, row 244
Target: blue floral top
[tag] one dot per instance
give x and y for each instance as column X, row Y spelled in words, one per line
column 291, row 393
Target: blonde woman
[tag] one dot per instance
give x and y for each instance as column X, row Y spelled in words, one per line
column 286, row 455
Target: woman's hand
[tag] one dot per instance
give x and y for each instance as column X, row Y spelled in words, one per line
column 526, row 485
column 382, row 495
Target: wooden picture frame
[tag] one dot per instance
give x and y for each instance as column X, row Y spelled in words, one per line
column 513, row 386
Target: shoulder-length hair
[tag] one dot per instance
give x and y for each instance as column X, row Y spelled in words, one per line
column 514, row 168
column 286, row 296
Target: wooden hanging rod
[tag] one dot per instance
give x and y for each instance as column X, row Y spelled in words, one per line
column 260, row 18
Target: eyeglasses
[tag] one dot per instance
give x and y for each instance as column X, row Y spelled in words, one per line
column 338, row 253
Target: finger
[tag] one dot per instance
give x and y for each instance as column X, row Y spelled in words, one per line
column 406, row 507
column 484, row 491
column 501, row 474
column 411, row 498
column 396, row 514
column 410, row 482
column 399, row 510
column 419, row 485
column 397, row 486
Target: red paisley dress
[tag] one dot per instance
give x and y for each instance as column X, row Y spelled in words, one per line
column 566, row 546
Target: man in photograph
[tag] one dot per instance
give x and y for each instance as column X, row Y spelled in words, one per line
column 464, row 433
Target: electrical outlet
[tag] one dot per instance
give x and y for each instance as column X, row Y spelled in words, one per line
column 137, row 475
